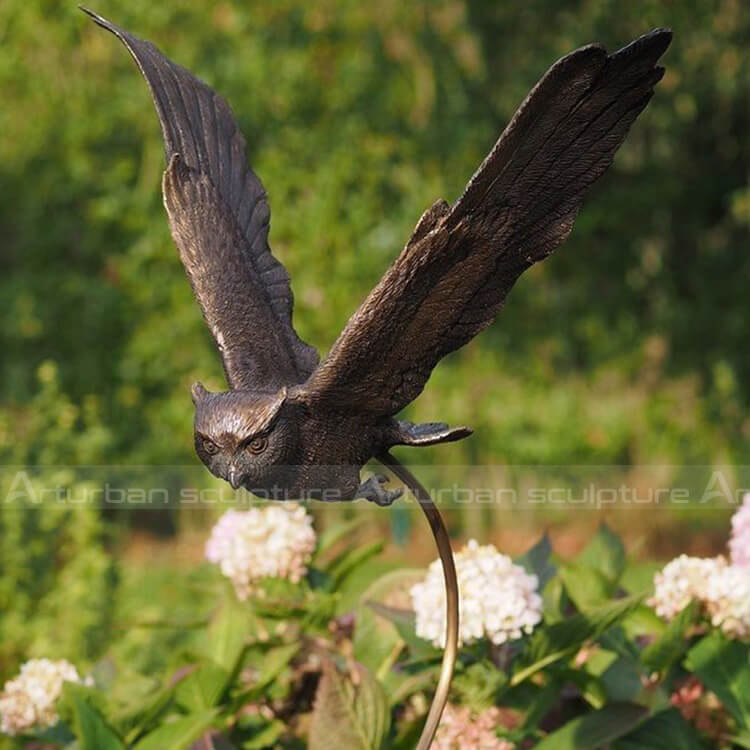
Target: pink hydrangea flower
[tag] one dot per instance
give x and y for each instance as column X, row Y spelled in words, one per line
column 739, row 543
column 461, row 730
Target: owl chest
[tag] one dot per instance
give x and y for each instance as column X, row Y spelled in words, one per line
column 340, row 438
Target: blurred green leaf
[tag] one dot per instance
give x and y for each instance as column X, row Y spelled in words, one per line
column 479, row 684
column 348, row 561
column 202, row 688
column 596, row 729
column 265, row 734
column 405, row 623
column 180, row 733
column 550, row 643
column 227, row 633
column 272, row 662
column 723, row 666
column 587, row 587
column 669, row 647
column 376, row 639
column 666, row 730
column 336, row 533
column 349, row 715
column 604, row 553
column 536, row 560
column 91, row 729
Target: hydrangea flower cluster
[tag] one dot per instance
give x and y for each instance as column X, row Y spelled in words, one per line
column 727, row 601
column 274, row 541
column 739, row 543
column 682, row 580
column 497, row 598
column 28, row 700
column 722, row 588
column 459, row 730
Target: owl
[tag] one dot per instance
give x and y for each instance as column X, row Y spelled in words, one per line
column 291, row 426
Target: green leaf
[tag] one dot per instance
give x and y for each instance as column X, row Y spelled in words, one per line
column 666, row 730
column 360, row 579
column 555, row 601
column 550, row 643
column 376, row 639
column 274, row 660
column 622, row 679
column 400, row 685
column 149, row 710
column 344, row 564
column 591, row 687
column 586, row 586
column 605, row 553
column 228, row 633
column 202, row 688
column 405, row 623
column 639, row 576
column 534, row 701
column 669, row 647
column 180, row 733
column 257, row 733
column 336, row 533
column 594, row 730
column 479, row 684
column 91, row 729
column 537, row 561
column 355, row 717
column 724, row 667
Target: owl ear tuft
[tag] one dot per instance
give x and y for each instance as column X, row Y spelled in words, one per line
column 198, row 392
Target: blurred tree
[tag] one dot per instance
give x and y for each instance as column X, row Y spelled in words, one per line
column 625, row 346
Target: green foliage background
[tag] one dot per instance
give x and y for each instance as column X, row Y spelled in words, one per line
column 627, row 346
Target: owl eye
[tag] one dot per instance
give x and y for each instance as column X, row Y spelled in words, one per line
column 209, row 446
column 257, row 445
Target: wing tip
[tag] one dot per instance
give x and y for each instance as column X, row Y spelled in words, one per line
column 650, row 46
column 99, row 20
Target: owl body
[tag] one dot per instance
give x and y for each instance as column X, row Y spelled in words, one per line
column 292, row 426
column 278, row 446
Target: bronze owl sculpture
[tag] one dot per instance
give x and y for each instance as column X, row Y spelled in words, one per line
column 293, row 427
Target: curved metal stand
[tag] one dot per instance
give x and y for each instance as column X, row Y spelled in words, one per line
column 451, row 600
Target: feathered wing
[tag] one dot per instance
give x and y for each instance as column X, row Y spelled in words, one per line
column 219, row 216
column 451, row 279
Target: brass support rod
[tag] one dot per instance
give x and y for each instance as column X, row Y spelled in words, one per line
column 451, row 600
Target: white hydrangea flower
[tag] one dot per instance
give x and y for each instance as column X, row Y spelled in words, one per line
column 461, row 730
column 739, row 543
column 682, row 580
column 727, row 600
column 28, row 701
column 497, row 598
column 273, row 541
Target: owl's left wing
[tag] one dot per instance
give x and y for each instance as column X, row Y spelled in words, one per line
column 454, row 274
column 219, row 214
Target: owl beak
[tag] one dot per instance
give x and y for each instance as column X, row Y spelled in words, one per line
column 235, row 478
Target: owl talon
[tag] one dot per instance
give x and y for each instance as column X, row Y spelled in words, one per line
column 372, row 489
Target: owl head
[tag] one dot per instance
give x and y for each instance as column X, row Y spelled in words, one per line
column 244, row 436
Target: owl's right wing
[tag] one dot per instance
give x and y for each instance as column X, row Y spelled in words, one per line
column 452, row 278
column 219, row 214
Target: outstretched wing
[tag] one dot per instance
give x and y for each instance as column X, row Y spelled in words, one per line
column 219, row 216
column 451, row 279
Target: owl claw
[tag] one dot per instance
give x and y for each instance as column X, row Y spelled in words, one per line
column 372, row 489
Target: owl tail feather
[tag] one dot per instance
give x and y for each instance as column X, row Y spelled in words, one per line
column 426, row 433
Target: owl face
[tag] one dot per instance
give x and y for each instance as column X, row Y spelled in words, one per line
column 244, row 437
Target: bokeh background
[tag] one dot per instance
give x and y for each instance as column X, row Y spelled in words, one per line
column 628, row 347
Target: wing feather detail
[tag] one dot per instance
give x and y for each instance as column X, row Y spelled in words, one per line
column 198, row 127
column 453, row 276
